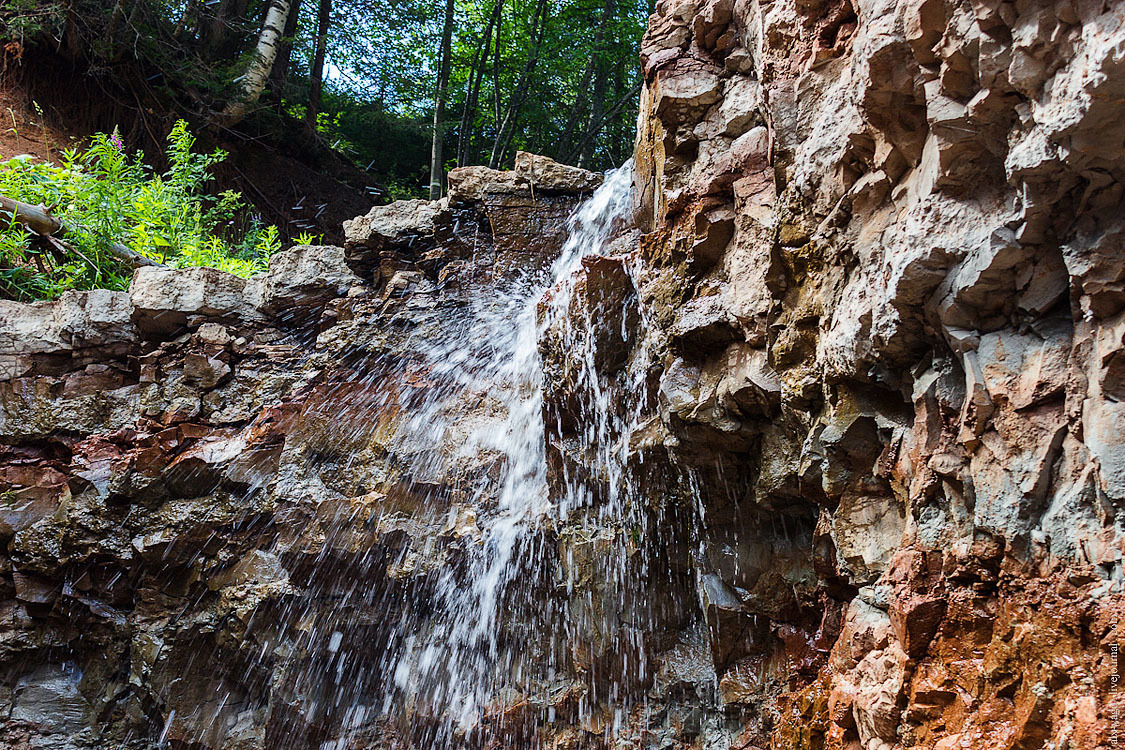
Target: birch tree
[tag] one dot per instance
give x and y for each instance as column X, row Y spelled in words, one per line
column 316, row 70
column 253, row 81
column 437, row 171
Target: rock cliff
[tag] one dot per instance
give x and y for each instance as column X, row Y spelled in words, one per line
column 831, row 429
column 883, row 260
column 214, row 510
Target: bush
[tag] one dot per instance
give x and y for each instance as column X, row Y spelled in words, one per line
column 105, row 195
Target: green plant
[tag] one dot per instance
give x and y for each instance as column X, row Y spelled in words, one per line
column 308, row 238
column 21, row 20
column 105, row 195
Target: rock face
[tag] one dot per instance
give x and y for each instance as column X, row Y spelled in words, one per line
column 834, row 448
column 213, row 520
column 883, row 285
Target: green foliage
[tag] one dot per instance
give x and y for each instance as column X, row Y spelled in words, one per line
column 385, row 52
column 21, row 20
column 105, row 195
column 567, row 87
column 308, row 238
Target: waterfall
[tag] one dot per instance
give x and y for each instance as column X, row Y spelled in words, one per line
column 454, row 660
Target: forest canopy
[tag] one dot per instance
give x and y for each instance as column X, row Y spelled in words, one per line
column 373, row 79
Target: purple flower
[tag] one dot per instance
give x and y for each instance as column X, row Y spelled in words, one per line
column 115, row 140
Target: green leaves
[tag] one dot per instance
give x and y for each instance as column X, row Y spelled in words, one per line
column 104, row 195
column 385, row 57
column 561, row 83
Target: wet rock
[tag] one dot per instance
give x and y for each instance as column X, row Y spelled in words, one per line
column 34, row 589
column 257, row 567
column 919, row 603
column 714, row 230
column 526, row 230
column 725, row 397
column 198, row 470
column 600, row 316
column 198, row 474
column 703, row 325
column 49, row 699
column 866, row 366
column 607, row 301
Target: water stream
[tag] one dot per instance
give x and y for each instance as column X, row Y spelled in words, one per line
column 486, row 366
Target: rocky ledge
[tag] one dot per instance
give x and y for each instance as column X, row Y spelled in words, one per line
column 204, row 491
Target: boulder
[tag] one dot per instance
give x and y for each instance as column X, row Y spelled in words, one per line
column 407, row 225
column 472, row 184
column 165, row 299
column 303, row 279
column 547, row 175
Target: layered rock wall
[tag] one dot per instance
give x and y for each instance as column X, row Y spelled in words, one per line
column 215, row 530
column 884, row 268
column 833, row 435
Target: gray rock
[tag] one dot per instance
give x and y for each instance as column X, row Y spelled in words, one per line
column 546, row 174
column 165, row 299
column 398, row 223
column 305, row 278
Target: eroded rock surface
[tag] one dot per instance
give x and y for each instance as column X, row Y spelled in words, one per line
column 213, row 522
column 882, row 278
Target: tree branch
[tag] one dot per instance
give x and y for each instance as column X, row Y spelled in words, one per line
column 39, row 220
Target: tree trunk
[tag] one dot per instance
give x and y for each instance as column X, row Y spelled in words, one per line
column 593, row 65
column 596, row 128
column 188, row 20
column 597, row 107
column 219, row 29
column 69, row 43
column 472, row 95
column 280, row 73
column 496, row 109
column 616, row 137
column 436, row 169
column 577, row 110
column 316, row 70
column 225, row 38
column 255, row 78
column 506, row 129
column 39, row 220
column 601, row 78
column 115, row 19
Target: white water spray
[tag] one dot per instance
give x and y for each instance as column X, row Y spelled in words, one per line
column 460, row 661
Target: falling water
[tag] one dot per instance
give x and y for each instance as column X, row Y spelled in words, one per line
column 488, row 362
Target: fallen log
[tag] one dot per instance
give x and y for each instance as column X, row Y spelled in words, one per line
column 39, row 220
